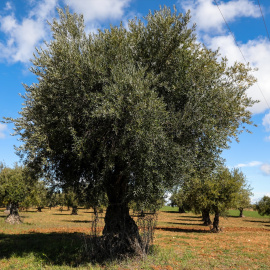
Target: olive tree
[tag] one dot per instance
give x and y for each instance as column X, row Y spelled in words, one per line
column 243, row 199
column 129, row 110
column 13, row 189
column 180, row 198
column 263, row 206
column 216, row 193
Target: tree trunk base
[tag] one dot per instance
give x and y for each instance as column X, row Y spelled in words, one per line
column 74, row 210
column 13, row 219
column 206, row 218
column 121, row 235
column 215, row 228
column 181, row 210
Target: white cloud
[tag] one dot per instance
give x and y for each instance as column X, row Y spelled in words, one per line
column 208, row 18
column 250, row 164
column 3, row 128
column 266, row 122
column 265, row 168
column 22, row 37
column 212, row 32
column 8, row 6
column 257, row 53
column 98, row 10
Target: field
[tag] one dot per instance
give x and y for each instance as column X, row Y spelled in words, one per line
column 55, row 240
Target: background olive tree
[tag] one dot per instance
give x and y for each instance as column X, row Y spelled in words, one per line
column 263, row 206
column 14, row 186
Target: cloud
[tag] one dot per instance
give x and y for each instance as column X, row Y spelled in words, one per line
column 8, row 6
column 250, row 164
column 214, row 34
column 266, row 121
column 208, row 18
column 3, row 128
column 93, row 10
column 265, row 168
column 257, row 53
column 23, row 36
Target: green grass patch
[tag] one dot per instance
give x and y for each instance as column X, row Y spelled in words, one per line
column 169, row 209
column 254, row 214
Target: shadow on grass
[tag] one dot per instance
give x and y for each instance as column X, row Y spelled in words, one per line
column 171, row 212
column 189, row 218
column 257, row 221
column 53, row 248
column 78, row 221
column 182, row 230
column 186, row 224
column 62, row 214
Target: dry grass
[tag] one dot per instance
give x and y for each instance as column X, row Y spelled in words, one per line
column 53, row 239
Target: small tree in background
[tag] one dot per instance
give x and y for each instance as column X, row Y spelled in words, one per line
column 13, row 190
column 215, row 193
column 263, row 206
column 39, row 194
column 71, row 200
column 224, row 191
column 242, row 200
column 180, row 198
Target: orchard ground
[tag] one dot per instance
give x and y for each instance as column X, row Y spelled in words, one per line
column 56, row 240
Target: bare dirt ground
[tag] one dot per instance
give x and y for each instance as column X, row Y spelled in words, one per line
column 184, row 242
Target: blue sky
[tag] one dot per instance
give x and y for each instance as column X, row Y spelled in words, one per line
column 23, row 27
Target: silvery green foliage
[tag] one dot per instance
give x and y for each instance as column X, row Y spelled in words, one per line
column 137, row 108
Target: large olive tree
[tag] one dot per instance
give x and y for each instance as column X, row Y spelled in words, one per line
column 129, row 110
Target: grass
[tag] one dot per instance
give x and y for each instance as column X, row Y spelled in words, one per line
column 250, row 213
column 54, row 240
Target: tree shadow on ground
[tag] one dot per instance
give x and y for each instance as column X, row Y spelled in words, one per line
column 189, row 219
column 257, row 221
column 182, row 230
column 52, row 248
column 187, row 224
column 62, row 214
column 171, row 212
column 78, row 221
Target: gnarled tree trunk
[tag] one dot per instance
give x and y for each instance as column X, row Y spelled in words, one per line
column 206, row 217
column 241, row 209
column 74, row 210
column 121, row 234
column 181, row 210
column 216, row 222
column 13, row 217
